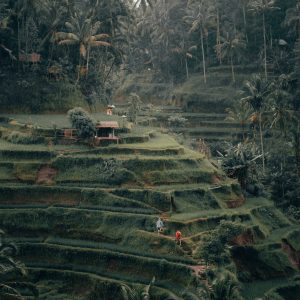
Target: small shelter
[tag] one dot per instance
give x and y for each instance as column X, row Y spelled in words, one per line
column 32, row 57
column 106, row 131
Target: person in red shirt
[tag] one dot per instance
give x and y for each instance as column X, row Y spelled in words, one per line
column 178, row 237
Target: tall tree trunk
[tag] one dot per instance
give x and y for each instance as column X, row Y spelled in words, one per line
column 203, row 56
column 262, row 142
column 271, row 38
column 243, row 130
column 265, row 47
column 232, row 67
column 186, row 68
column 218, row 36
column 245, row 22
column 88, row 59
column 19, row 43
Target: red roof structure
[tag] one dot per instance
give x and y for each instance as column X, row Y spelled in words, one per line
column 108, row 124
column 33, row 57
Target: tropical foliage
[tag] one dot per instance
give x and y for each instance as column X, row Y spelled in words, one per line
column 12, row 273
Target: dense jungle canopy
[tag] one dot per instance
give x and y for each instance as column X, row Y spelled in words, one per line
column 87, row 43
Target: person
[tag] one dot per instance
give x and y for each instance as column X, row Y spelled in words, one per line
column 178, row 237
column 159, row 225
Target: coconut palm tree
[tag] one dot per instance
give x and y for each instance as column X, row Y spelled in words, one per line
column 52, row 14
column 186, row 53
column 281, row 110
column 82, row 32
column 257, row 90
column 231, row 47
column 262, row 7
column 200, row 17
column 240, row 114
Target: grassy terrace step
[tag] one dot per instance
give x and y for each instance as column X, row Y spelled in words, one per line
column 253, row 290
column 148, row 245
column 214, row 124
column 178, row 177
column 101, row 261
column 26, row 154
column 131, row 162
column 208, row 131
column 176, row 256
column 48, row 279
column 24, row 171
column 85, row 197
column 269, row 218
column 74, row 223
column 98, row 226
column 60, row 120
column 190, row 116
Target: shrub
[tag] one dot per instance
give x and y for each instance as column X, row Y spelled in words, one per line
column 213, row 246
column 17, row 137
column 177, row 121
column 134, row 108
column 293, row 212
column 83, row 123
column 240, row 163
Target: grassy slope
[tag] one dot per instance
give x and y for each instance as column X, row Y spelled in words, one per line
column 116, row 219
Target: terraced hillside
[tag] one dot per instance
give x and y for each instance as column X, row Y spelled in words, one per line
column 84, row 218
column 211, row 127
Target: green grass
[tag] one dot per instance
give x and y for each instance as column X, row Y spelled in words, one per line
column 293, row 238
column 60, row 120
column 49, row 279
column 140, row 268
column 257, row 289
column 111, row 230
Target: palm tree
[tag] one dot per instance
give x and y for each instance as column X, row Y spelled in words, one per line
column 240, row 114
column 261, row 7
column 5, row 15
column 226, row 287
column 186, row 53
column 83, row 32
column 52, row 14
column 25, row 9
column 244, row 4
column 257, row 90
column 231, row 46
column 292, row 19
column 11, row 273
column 200, row 17
column 282, row 113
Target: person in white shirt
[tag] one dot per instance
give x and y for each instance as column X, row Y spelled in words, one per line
column 159, row 225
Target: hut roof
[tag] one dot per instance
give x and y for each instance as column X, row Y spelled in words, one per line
column 108, row 124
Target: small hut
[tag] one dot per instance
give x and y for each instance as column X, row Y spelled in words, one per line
column 32, row 57
column 106, row 131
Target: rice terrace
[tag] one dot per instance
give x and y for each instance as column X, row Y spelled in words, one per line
column 149, row 149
